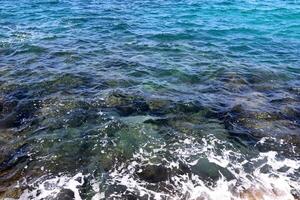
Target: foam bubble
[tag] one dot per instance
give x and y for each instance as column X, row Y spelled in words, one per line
column 259, row 176
column 247, row 184
column 52, row 186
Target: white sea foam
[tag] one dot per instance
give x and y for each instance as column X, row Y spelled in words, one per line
column 250, row 180
column 253, row 184
column 52, row 186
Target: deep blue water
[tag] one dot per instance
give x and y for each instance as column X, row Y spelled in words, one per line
column 150, row 99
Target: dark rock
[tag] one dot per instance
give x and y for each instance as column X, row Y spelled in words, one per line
column 291, row 113
column 69, row 81
column 79, row 180
column 118, row 98
column 251, row 125
column 12, row 193
column 18, row 156
column 21, row 93
column 266, row 169
column 187, row 107
column 86, row 187
column 77, row 117
column 119, row 63
column 183, row 168
column 1, row 105
column 114, row 83
column 8, row 121
column 113, row 189
column 112, row 127
column 283, row 169
column 9, row 105
column 210, row 171
column 65, row 194
column 154, row 173
column 159, row 121
column 288, row 148
column 237, row 109
column 158, row 105
column 131, row 197
column 134, row 108
column 126, row 104
column 296, row 194
column 24, row 111
column 107, row 162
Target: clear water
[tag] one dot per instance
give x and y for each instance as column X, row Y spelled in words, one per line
column 150, row 99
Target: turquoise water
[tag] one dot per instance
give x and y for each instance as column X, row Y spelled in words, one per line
column 150, row 99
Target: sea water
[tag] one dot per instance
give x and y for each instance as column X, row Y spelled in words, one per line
column 139, row 99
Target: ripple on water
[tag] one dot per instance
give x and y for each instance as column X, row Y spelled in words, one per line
column 149, row 100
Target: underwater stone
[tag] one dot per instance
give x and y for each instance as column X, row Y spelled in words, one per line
column 18, row 156
column 253, row 125
column 65, row 194
column 77, row 117
column 283, row 169
column 112, row 127
column 210, row 171
column 126, row 104
column 158, row 121
column 239, row 111
column 9, row 121
column 69, row 80
column 115, row 189
column 183, row 168
column 296, row 194
column 154, row 173
column 137, row 107
column 187, row 107
column 117, row 98
column 23, row 111
column 266, row 169
column 131, row 197
column 9, row 105
column 113, row 83
column 158, row 105
column 11, row 193
column 107, row 162
column 290, row 112
column 276, row 128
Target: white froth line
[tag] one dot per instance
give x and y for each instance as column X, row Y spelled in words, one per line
column 58, row 184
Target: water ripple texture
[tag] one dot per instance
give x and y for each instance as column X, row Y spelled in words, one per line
column 139, row 99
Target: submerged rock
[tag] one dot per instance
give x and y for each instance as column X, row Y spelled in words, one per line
column 117, row 189
column 158, row 121
column 11, row 193
column 65, row 194
column 253, row 123
column 211, row 172
column 112, row 127
column 187, row 107
column 23, row 112
column 183, row 168
column 8, row 105
column 153, row 173
column 77, row 117
column 66, row 82
column 18, row 156
column 126, row 104
column 158, row 105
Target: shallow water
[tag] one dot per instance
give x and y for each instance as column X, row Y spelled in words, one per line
column 150, row 99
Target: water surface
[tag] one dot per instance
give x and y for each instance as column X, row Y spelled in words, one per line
column 150, row 99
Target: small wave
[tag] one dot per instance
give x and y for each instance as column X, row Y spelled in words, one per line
column 55, row 187
column 263, row 176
